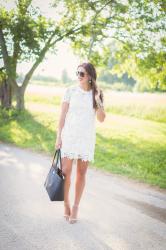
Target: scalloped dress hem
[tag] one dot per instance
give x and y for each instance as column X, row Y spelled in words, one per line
column 76, row 157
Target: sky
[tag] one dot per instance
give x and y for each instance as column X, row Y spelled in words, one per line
column 54, row 64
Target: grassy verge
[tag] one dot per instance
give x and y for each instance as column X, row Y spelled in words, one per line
column 125, row 145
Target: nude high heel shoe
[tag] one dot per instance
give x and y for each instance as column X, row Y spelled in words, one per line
column 71, row 218
column 67, row 215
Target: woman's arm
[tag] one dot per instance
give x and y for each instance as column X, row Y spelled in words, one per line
column 100, row 107
column 64, row 110
column 100, row 113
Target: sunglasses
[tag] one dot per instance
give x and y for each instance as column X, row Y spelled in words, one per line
column 82, row 74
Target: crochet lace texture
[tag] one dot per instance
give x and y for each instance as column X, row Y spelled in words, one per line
column 78, row 133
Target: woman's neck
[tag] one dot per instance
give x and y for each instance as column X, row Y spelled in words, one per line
column 86, row 88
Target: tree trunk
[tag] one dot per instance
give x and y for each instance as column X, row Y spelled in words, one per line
column 5, row 95
column 19, row 93
column 157, row 86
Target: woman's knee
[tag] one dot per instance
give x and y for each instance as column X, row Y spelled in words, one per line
column 82, row 168
column 66, row 170
column 66, row 173
column 66, row 167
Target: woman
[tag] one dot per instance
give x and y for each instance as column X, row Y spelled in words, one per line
column 76, row 131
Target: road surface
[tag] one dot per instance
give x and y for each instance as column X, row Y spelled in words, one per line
column 115, row 213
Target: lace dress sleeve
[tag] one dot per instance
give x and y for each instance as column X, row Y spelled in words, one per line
column 66, row 96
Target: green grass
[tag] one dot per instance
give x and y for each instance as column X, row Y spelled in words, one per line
column 53, row 100
column 148, row 106
column 125, row 144
column 140, row 111
column 135, row 148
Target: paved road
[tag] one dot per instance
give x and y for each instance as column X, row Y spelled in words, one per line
column 114, row 214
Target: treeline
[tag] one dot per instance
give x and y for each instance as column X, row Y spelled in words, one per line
column 39, row 78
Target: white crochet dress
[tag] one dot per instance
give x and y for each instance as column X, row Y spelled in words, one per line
column 79, row 130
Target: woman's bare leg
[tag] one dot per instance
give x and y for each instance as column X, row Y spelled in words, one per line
column 79, row 185
column 67, row 169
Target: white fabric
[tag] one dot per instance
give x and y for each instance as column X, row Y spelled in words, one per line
column 79, row 131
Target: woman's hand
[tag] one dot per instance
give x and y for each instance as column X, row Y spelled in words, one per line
column 58, row 143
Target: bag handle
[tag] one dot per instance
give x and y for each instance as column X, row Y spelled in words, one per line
column 58, row 153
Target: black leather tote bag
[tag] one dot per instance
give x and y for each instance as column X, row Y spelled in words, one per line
column 54, row 183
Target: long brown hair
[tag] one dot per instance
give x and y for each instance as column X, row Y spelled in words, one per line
column 90, row 69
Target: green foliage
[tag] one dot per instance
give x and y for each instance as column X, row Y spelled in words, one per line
column 138, row 30
column 26, row 35
column 26, row 30
column 2, row 76
column 131, row 32
column 154, row 68
column 8, row 114
column 149, row 72
column 99, row 15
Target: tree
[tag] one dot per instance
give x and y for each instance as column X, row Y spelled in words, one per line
column 65, row 77
column 5, row 90
column 138, row 24
column 26, row 35
column 137, row 28
column 97, row 15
